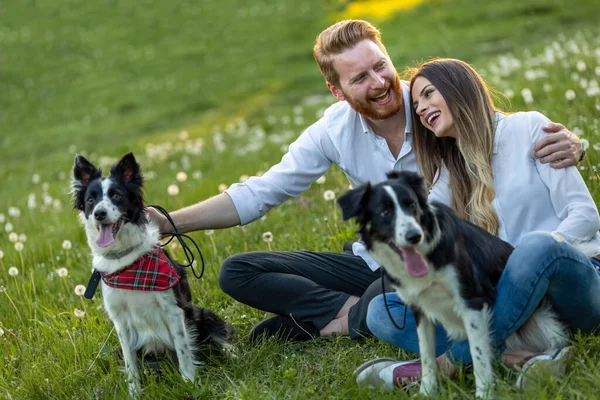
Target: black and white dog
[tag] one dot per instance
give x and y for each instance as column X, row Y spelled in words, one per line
column 146, row 294
column 445, row 269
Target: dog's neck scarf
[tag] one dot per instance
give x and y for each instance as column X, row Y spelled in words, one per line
column 151, row 272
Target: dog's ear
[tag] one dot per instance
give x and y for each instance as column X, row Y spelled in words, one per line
column 412, row 179
column 128, row 169
column 351, row 202
column 83, row 173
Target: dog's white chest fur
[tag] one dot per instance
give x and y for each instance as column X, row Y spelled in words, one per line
column 436, row 294
column 142, row 314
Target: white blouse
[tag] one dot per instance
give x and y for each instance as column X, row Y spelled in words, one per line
column 531, row 196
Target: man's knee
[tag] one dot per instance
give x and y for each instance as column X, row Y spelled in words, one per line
column 231, row 268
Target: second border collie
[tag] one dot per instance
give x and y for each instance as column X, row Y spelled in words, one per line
column 146, row 294
column 445, row 269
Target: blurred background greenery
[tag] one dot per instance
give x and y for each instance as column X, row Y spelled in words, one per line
column 216, row 90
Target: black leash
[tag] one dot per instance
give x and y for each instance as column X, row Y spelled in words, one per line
column 186, row 249
column 387, row 307
column 96, row 277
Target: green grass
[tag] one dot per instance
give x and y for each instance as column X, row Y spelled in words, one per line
column 104, row 78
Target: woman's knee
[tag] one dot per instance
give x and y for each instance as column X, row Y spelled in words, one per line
column 374, row 314
column 379, row 313
column 535, row 252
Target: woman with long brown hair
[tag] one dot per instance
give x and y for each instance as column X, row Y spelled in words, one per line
column 478, row 160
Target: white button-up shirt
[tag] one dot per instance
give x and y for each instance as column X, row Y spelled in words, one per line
column 342, row 137
column 531, row 196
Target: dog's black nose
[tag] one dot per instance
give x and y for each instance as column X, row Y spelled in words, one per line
column 413, row 237
column 100, row 215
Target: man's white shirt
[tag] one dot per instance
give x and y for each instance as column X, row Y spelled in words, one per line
column 342, row 137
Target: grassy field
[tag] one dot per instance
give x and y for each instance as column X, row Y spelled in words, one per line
column 218, row 91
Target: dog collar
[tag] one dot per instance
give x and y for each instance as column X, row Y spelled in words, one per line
column 120, row 254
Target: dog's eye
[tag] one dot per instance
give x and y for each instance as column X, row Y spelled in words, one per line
column 385, row 212
column 90, row 200
column 116, row 196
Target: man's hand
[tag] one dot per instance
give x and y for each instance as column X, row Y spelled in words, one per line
column 561, row 148
column 164, row 225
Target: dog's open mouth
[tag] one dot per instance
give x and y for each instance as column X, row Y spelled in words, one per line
column 414, row 262
column 108, row 232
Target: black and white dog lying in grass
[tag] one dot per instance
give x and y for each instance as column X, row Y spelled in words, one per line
column 146, row 294
column 445, row 269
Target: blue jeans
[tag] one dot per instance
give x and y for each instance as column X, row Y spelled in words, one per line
column 539, row 266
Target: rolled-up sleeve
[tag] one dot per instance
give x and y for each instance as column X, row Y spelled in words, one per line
column 307, row 159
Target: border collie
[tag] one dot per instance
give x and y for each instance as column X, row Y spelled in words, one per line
column 146, row 294
column 445, row 269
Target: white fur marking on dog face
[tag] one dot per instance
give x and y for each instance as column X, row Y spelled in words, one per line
column 112, row 212
column 404, row 222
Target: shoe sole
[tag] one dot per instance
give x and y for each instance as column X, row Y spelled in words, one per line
column 371, row 363
column 554, row 366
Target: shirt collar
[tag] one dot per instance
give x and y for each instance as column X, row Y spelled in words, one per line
column 407, row 113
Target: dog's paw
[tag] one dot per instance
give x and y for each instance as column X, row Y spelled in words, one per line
column 135, row 390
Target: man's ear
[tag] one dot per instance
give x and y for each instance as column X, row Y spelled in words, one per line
column 336, row 92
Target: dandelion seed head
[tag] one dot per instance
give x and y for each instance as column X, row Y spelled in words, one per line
column 14, row 212
column 13, row 271
column 244, row 178
column 62, row 272
column 321, row 180
column 13, row 237
column 570, row 94
column 547, row 87
column 2, row 218
column 173, row 190
column 527, row 95
column 329, row 195
column 209, row 232
column 19, row 246
column 79, row 290
column 22, row 237
column 184, row 135
column 585, row 144
column 35, row 178
column 78, row 313
column 181, row 176
column 581, row 66
column 509, row 93
column 66, row 244
column 267, row 237
column 222, row 187
column 1, row 254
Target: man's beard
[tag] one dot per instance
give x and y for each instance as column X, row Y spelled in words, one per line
column 368, row 110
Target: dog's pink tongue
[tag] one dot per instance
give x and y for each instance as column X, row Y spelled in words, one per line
column 414, row 262
column 105, row 237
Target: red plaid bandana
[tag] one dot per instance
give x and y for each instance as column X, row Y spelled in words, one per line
column 151, row 272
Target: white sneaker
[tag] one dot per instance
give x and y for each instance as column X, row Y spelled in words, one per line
column 388, row 374
column 551, row 362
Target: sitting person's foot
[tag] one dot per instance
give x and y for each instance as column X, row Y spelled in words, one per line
column 551, row 362
column 285, row 328
column 388, row 374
